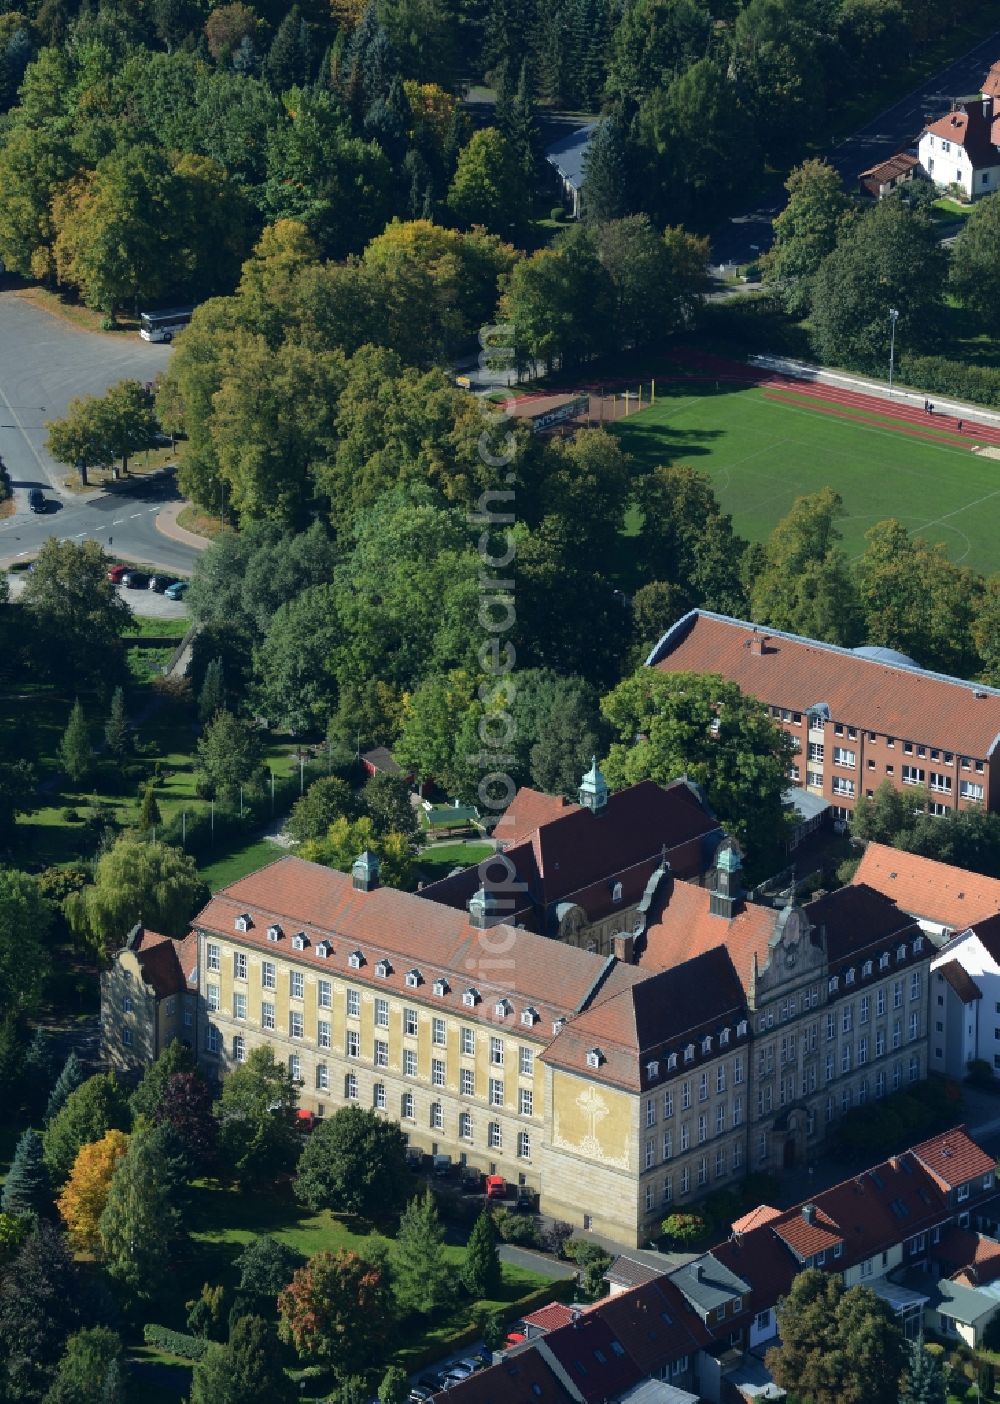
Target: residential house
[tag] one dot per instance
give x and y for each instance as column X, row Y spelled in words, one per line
column 858, row 717
column 568, row 158
column 149, row 997
column 962, row 149
column 965, row 986
column 586, row 873
column 942, row 898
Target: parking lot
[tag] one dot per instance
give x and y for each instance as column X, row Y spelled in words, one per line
column 146, row 603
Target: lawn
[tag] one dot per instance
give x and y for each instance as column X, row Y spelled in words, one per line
column 437, row 862
column 761, row 454
column 240, row 863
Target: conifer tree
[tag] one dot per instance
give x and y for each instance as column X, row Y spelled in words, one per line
column 75, row 751
column 282, row 66
column 925, row 1379
column 26, row 1189
column 605, row 174
column 421, row 1278
column 149, row 810
column 71, row 1077
column 138, row 1220
column 117, row 732
column 212, row 698
column 523, row 133
column 481, row 1271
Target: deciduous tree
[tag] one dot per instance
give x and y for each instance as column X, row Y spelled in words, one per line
column 806, row 585
column 246, row 1370
column 324, row 801
column 266, row 1267
column 186, row 1107
column 76, row 612
column 257, row 1137
column 90, row 1370
column 346, row 838
column 353, row 1163
column 25, row 951
column 133, row 880
column 88, row 1114
column 975, row 262
column 336, row 1309
column 40, row 1307
column 806, row 230
column 139, row 1221
column 488, row 188
column 85, row 1193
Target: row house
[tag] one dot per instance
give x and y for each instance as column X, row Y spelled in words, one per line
column 581, row 872
column 858, row 717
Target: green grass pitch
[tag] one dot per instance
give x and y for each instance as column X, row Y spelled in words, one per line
column 761, row 454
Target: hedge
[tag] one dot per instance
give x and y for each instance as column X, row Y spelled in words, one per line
column 978, row 384
column 175, row 1342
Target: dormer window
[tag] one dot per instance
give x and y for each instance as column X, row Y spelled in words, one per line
column 866, row 969
column 413, row 979
column 529, row 1017
column 834, row 983
column 594, row 1058
column 706, row 1044
column 918, row 944
column 382, row 968
column 741, row 1029
column 671, row 1062
column 616, row 892
column 356, row 960
column 963, row 1192
column 883, row 961
column 652, row 1070
column 471, row 997
column 901, row 952
column 299, row 941
column 849, row 977
column 324, row 949
column 244, row 921
column 274, row 933
column 441, row 987
column 557, row 1026
column 724, row 1038
column 502, row 1008
column 689, row 1053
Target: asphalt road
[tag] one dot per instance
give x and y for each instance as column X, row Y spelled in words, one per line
column 45, row 362
column 739, row 240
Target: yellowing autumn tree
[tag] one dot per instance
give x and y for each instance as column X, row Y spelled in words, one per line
column 81, row 1203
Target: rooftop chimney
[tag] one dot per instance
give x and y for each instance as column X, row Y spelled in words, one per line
column 758, row 643
column 624, row 947
column 809, row 1213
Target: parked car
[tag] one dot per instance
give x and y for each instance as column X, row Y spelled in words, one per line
column 435, row 1383
column 441, row 1166
column 116, row 572
column 161, row 583
column 36, row 500
column 457, row 1374
column 496, row 1187
column 419, row 1394
column 135, row 580
column 527, row 1200
column 469, row 1363
column 177, row 590
column 472, row 1180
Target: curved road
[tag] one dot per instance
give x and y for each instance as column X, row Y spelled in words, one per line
column 897, row 127
column 45, row 362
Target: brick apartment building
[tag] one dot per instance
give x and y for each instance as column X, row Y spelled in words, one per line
column 859, row 716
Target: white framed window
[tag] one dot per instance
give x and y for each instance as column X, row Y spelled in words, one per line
column 295, row 1023
column 668, row 1105
column 525, row 1101
column 437, row 1072
column 323, row 1033
column 527, row 1061
column 409, row 1062
column 322, row 1078
column 267, row 1015
column 496, row 1052
column 668, row 1145
column 212, row 997
column 410, row 1022
column 352, row 1044
column 381, row 1013
column 212, row 961
column 406, row 1107
column 324, row 994
column 496, row 1092
column 842, row 756
column 524, row 1145
column 468, row 1040
column 438, row 1033
column 239, row 965
column 467, row 1082
column 239, row 1049
column 211, row 1038
column 297, row 984
column 913, row 775
column 268, row 975
column 353, row 1004
column 968, row 790
column 465, row 1126
column 495, row 1136
column 437, row 1116
column 295, row 1067
column 378, row 1096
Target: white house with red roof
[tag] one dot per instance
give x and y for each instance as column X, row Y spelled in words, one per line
column 962, row 148
column 965, row 998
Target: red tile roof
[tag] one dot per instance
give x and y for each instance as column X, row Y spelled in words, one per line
column 991, row 83
column 578, row 855
column 158, row 960
column 530, row 971
column 549, row 1318
column 528, row 811
column 968, row 1257
column 594, row 1360
column 856, row 920
column 762, row 1261
column 953, row 1158
column 756, row 1218
column 892, row 169
column 654, row 1324
column 687, row 928
column 807, row 1238
column 969, row 128
column 960, row 981
column 797, row 673
column 936, row 891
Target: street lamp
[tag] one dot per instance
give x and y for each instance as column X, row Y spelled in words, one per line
column 893, row 319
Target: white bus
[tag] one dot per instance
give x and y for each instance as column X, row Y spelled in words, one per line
column 164, row 326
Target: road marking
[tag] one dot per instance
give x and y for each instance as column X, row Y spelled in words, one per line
column 78, row 535
column 118, row 521
column 34, row 451
column 134, row 515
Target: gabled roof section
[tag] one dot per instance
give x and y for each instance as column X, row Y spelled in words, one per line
column 594, row 1360
column 522, row 1377
column 970, row 128
column 654, row 1324
column 960, row 981
column 948, row 896
column 631, row 1272
column 756, row 1218
column 967, row 1257
column 953, row 1158
column 651, row 1017
column 988, row 932
column 790, row 671
column 568, row 154
column 158, row 960
column 809, row 1232
column 708, row 1283
column 528, row 811
column 687, row 928
column 991, row 83
column 854, row 919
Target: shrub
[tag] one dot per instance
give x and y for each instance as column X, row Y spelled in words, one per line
column 516, row 1228
column 174, row 1342
column 940, row 376
column 683, row 1229
column 558, row 214
column 69, row 816
column 555, row 1237
column 979, row 1073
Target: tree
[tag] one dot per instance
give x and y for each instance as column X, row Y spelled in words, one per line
column 888, row 812
column 986, row 629
column 76, row 611
column 974, row 270
column 246, row 1370
column 706, row 728
column 139, row 1221
column 257, row 1137
column 654, row 42
column 915, row 599
column 146, row 1099
column 605, row 193
column 493, row 1328
column 295, row 684
column 481, row 1272
column 683, row 1230
column 344, row 840
column 925, row 1377
column 85, row 1193
column 88, row 1370
column 806, row 230
column 99, row 429
column 186, row 1107
column 887, row 258
column 387, row 802
column 353, row 1163
column 97, row 1106
column 837, row 1344
column 687, row 541
column 395, row 1386
column 69, row 1079
column 117, row 730
column 149, row 810
column 25, row 950
column 266, row 1267
column 488, row 188
column 206, row 1314
column 212, row 697
column 227, row 26
column 75, row 751
column 421, row 1276
column 26, row 1189
column 40, row 1307
column 323, row 802
column 806, row 585
column 14, row 1229
column 336, row 1309
column 229, row 753
column 133, row 880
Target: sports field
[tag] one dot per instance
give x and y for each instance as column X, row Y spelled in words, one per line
column 765, row 444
